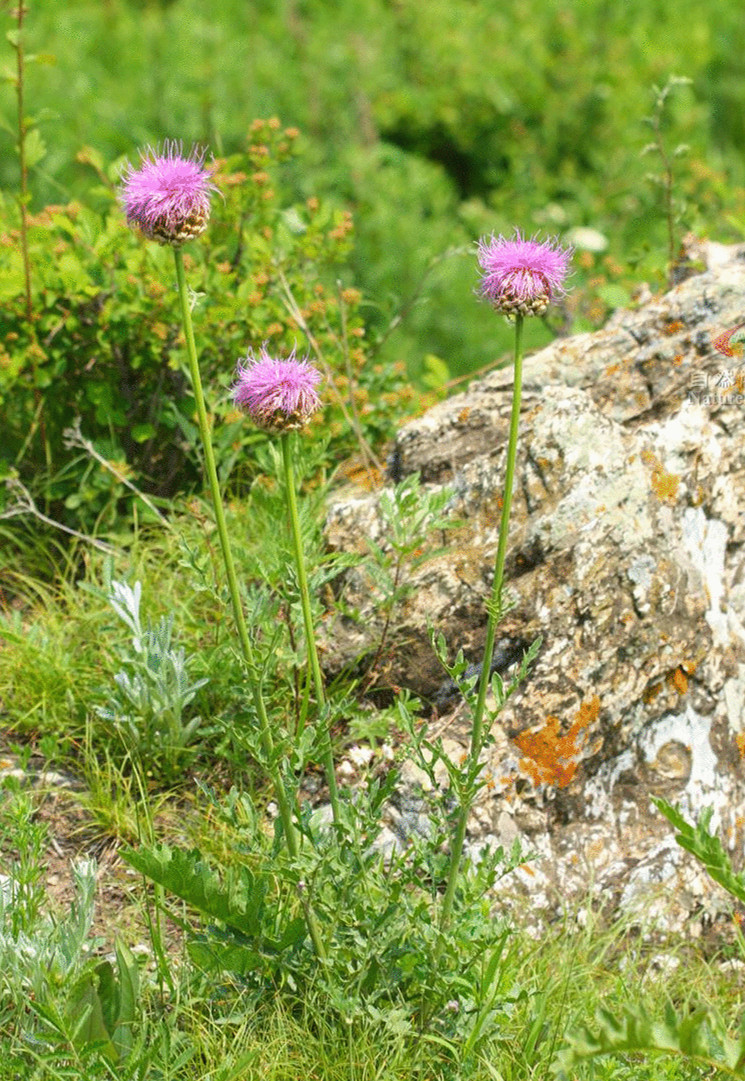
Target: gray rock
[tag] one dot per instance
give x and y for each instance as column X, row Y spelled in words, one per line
column 626, row 555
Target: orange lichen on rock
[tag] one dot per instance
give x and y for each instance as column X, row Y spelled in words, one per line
column 358, row 472
column 552, row 757
column 665, row 485
column 678, row 680
column 740, row 741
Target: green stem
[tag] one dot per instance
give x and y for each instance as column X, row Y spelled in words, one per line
column 310, row 638
column 265, row 734
column 24, row 126
column 495, row 609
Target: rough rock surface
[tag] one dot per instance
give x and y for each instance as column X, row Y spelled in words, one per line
column 626, row 556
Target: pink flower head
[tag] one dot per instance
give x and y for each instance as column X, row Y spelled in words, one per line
column 279, row 395
column 168, row 196
column 521, row 277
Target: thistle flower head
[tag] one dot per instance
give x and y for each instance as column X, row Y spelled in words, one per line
column 522, row 277
column 168, row 196
column 278, row 395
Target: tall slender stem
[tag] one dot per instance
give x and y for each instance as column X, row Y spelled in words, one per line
column 310, row 638
column 22, row 132
column 495, row 606
column 23, row 127
column 267, row 742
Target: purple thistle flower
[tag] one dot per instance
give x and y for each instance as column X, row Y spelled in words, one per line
column 168, row 196
column 279, row 395
column 521, row 277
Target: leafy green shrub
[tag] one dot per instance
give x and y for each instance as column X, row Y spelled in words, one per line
column 436, row 123
column 101, row 362
column 387, row 960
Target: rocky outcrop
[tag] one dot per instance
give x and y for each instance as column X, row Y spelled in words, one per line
column 626, row 557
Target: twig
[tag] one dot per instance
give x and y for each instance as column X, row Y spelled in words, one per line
column 25, row 505
column 73, row 437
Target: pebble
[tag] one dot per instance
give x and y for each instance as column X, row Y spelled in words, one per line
column 10, row 768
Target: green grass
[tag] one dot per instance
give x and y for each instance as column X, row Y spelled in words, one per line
column 435, row 123
column 63, row 642
column 562, row 977
column 565, row 976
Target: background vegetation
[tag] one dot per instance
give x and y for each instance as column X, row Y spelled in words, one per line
column 405, row 130
column 414, row 129
column 432, row 122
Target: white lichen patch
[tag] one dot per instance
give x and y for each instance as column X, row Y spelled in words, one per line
column 733, row 693
column 641, row 571
column 598, row 789
column 685, row 433
column 692, row 731
column 705, row 542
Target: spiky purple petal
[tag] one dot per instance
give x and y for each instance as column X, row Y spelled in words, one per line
column 168, row 196
column 522, row 276
column 279, row 395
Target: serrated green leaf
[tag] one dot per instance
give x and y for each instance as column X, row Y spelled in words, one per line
column 706, row 847
column 215, row 957
column 528, row 657
column 700, row 1037
column 294, row 933
column 236, row 900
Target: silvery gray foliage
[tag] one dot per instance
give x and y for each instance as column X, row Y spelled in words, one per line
column 153, row 688
column 48, row 950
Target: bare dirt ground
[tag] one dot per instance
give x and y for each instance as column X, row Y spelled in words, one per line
column 73, row 835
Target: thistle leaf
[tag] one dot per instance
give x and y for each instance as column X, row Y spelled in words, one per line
column 236, row 900
column 706, row 847
column 699, row 1037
